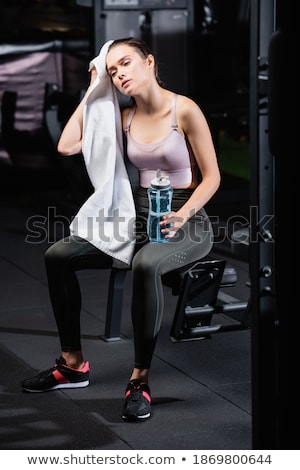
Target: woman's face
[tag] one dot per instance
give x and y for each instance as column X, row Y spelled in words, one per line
column 129, row 71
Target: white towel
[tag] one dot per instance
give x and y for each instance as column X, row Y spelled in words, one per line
column 107, row 218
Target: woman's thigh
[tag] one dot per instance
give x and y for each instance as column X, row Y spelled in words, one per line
column 194, row 241
column 77, row 252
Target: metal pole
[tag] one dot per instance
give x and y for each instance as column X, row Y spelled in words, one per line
column 264, row 357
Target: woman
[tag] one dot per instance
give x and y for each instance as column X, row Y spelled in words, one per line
column 166, row 131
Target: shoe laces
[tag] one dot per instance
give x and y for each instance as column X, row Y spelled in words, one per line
column 137, row 387
column 136, row 384
column 58, row 362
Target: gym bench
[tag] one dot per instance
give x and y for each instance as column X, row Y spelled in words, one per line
column 199, row 290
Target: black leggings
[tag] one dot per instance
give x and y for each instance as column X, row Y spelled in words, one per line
column 151, row 260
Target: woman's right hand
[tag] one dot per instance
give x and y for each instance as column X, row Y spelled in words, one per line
column 93, row 75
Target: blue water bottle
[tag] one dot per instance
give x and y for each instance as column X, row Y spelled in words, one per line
column 160, row 199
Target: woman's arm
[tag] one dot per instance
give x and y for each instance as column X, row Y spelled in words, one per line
column 195, row 127
column 70, row 142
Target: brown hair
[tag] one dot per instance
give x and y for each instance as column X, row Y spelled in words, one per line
column 141, row 48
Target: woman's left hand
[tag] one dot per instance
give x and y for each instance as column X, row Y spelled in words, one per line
column 171, row 223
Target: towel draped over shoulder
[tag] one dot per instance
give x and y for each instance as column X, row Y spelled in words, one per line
column 107, row 218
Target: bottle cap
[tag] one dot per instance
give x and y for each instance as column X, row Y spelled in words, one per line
column 160, row 182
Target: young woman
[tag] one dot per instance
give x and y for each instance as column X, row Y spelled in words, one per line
column 164, row 131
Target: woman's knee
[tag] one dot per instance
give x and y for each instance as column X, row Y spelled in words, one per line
column 143, row 263
column 59, row 251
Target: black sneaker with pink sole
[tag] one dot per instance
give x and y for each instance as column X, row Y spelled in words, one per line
column 137, row 404
column 57, row 377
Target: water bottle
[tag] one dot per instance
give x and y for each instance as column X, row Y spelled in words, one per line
column 160, row 198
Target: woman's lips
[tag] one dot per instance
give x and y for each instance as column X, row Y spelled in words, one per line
column 125, row 83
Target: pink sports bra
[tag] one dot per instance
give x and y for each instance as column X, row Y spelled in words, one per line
column 171, row 155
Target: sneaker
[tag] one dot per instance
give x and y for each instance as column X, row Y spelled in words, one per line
column 59, row 376
column 138, row 401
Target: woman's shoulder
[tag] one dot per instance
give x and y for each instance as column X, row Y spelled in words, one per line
column 189, row 114
column 185, row 102
column 186, row 106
